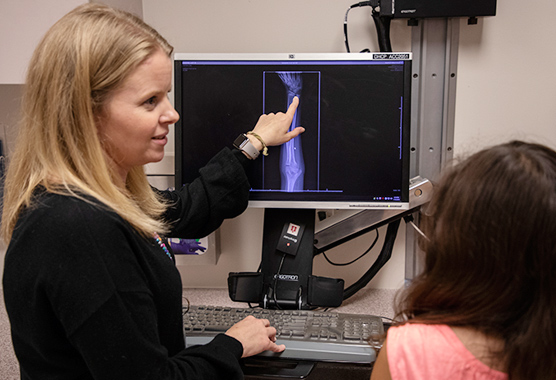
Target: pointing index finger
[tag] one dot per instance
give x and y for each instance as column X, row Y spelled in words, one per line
column 293, row 107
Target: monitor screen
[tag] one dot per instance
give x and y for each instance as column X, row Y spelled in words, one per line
column 354, row 153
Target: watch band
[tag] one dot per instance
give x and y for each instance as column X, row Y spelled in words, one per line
column 243, row 143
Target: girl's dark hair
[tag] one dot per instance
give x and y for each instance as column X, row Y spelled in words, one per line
column 490, row 257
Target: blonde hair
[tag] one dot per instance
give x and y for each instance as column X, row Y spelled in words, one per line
column 80, row 61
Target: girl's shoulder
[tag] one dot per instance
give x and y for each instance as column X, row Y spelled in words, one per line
column 480, row 345
column 437, row 349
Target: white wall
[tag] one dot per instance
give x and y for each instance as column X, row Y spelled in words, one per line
column 22, row 25
column 132, row 6
column 507, row 77
column 24, row 22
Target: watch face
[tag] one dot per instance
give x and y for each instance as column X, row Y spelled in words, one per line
column 239, row 141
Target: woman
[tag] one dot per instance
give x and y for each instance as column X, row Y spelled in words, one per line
column 91, row 290
column 483, row 308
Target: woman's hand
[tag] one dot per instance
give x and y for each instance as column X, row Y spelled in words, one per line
column 255, row 335
column 273, row 128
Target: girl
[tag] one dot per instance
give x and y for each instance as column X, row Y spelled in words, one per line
column 483, row 308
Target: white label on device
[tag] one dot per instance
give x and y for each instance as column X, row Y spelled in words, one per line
column 293, row 229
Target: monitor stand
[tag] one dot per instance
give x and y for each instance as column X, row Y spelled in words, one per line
column 285, row 279
column 286, row 272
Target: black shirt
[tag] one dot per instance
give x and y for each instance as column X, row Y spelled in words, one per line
column 89, row 298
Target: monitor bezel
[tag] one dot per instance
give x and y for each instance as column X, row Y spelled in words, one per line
column 293, row 57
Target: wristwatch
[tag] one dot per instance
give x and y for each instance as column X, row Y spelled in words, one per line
column 243, row 143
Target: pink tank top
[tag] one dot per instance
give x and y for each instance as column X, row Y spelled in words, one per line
column 433, row 352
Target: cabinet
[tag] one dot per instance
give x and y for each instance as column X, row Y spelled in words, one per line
column 22, row 25
column 24, row 22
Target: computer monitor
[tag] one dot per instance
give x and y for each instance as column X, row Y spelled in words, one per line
column 354, row 153
column 354, row 107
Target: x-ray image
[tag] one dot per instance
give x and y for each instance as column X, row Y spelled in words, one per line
column 298, row 171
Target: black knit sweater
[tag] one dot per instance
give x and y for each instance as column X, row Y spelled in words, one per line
column 88, row 298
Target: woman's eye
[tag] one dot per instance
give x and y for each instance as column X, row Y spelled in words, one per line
column 151, row 101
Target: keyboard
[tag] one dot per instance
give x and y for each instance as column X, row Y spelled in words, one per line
column 307, row 335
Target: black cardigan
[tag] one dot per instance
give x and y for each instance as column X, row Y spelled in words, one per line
column 88, row 298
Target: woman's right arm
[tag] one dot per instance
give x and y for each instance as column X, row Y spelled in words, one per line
column 255, row 335
column 120, row 341
column 222, row 189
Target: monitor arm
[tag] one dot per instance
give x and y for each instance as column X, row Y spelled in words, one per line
column 285, row 279
column 345, row 228
column 345, row 225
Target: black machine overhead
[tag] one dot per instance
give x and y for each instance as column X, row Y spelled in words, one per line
column 437, row 8
column 383, row 11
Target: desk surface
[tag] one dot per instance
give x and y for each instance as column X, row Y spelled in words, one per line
column 377, row 302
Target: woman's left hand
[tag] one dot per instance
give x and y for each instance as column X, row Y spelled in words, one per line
column 255, row 335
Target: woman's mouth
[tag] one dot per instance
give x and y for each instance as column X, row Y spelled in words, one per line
column 160, row 139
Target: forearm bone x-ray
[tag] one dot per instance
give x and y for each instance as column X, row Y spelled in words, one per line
column 292, row 166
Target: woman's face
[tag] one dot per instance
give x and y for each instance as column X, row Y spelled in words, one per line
column 135, row 119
